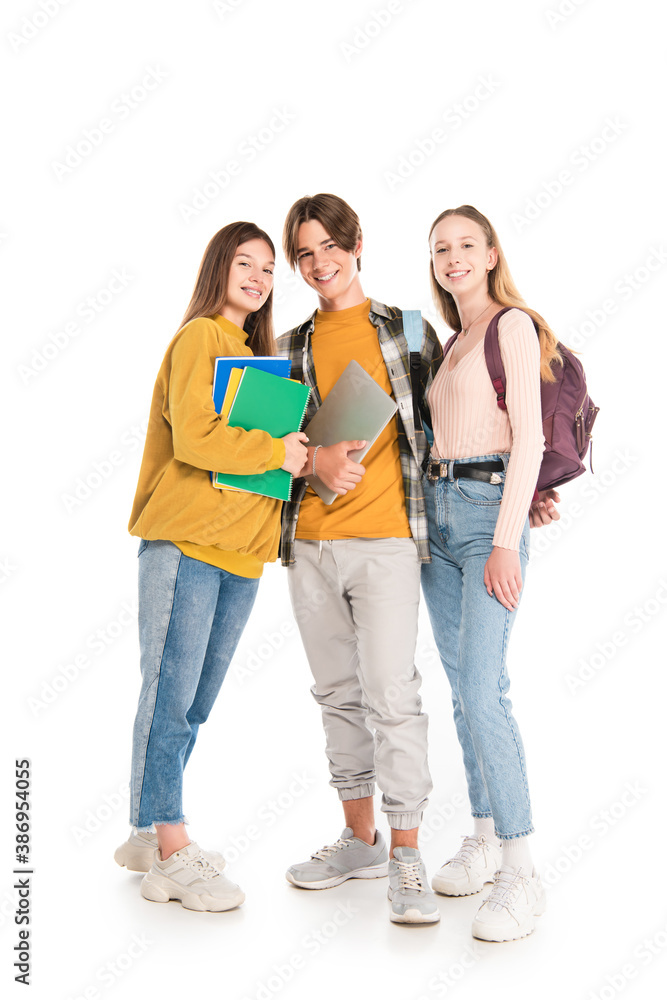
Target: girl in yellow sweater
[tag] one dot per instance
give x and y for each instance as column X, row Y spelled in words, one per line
column 201, row 554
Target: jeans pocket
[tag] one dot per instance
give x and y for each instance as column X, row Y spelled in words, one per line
column 143, row 545
column 476, row 491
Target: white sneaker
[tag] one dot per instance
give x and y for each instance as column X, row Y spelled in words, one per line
column 509, row 911
column 137, row 853
column 410, row 897
column 189, row 876
column 469, row 869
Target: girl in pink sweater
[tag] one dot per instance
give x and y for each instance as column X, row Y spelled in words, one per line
column 479, row 485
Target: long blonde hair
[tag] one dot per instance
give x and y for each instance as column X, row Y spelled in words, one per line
column 212, row 281
column 501, row 288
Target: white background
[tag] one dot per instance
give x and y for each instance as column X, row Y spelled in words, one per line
column 361, row 87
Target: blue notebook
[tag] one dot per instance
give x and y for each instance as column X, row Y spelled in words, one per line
column 223, row 366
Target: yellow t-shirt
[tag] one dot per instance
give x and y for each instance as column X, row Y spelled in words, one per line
column 375, row 508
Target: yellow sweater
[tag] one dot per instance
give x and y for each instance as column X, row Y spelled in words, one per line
column 186, row 438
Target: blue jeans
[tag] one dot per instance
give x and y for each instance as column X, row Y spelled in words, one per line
column 472, row 631
column 191, row 616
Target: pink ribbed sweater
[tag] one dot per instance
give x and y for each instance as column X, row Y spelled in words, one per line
column 468, row 423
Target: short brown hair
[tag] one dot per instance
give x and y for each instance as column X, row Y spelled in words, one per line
column 340, row 221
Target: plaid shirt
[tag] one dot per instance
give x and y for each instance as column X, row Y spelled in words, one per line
column 295, row 344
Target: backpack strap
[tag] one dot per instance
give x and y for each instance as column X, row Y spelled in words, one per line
column 412, row 330
column 495, row 366
column 413, row 333
column 494, row 362
column 448, row 345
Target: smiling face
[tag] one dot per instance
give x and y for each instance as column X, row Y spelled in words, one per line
column 250, row 280
column 327, row 268
column 461, row 257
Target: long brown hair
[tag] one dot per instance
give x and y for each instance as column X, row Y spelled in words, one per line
column 211, row 285
column 501, row 288
column 340, row 221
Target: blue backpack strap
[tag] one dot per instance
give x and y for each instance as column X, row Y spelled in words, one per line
column 414, row 334
column 412, row 330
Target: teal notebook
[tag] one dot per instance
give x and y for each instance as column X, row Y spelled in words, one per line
column 268, row 403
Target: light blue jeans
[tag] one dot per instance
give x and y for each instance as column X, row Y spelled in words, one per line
column 472, row 631
column 191, row 617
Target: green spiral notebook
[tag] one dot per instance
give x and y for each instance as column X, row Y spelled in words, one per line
column 269, row 403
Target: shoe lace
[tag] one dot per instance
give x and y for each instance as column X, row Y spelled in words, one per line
column 329, row 849
column 506, row 887
column 203, row 867
column 467, row 852
column 409, row 875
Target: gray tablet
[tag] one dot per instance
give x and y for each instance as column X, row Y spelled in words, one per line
column 356, row 409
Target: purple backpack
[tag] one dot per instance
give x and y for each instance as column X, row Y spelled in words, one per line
column 568, row 412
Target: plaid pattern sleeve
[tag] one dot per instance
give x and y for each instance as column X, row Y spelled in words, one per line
column 412, row 440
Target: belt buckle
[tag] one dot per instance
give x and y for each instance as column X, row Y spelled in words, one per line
column 433, row 477
column 495, row 478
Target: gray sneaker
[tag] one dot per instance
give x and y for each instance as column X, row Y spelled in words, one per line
column 412, row 901
column 349, row 857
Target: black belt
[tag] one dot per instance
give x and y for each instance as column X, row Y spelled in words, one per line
column 485, row 471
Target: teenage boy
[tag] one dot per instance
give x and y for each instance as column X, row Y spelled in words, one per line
column 354, row 567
